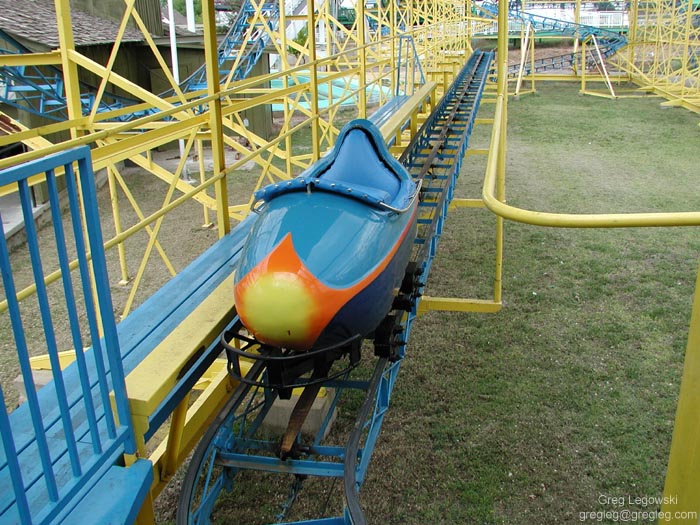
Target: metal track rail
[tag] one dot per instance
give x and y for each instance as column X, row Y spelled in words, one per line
column 436, row 152
column 434, row 156
column 610, row 41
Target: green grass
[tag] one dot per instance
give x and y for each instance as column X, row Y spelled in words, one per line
column 529, row 415
column 568, row 394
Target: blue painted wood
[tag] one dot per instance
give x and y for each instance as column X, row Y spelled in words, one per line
column 139, row 333
column 43, row 509
column 64, row 439
column 32, row 417
column 147, row 325
column 97, row 348
column 47, row 321
column 58, row 227
column 14, row 470
column 115, row 498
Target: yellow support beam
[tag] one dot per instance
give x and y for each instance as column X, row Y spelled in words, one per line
column 216, row 117
column 52, row 58
column 42, row 362
column 467, row 203
column 682, row 488
column 199, row 416
column 69, row 66
column 455, row 304
column 477, row 151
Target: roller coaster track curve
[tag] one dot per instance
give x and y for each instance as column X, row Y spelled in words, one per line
column 609, row 42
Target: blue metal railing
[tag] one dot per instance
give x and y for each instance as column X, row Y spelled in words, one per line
column 409, row 73
column 40, row 91
column 609, row 41
column 235, row 43
column 68, row 432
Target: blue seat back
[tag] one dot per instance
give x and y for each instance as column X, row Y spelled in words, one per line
column 359, row 166
column 358, row 163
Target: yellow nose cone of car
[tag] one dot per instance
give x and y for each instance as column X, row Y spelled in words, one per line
column 279, row 309
column 283, row 304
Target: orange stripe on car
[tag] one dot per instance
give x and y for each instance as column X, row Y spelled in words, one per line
column 283, row 304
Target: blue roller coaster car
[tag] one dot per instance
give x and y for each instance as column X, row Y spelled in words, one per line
column 329, row 248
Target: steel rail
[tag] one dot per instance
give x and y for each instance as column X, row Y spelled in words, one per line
column 350, row 485
column 445, row 135
column 565, row 220
column 464, row 92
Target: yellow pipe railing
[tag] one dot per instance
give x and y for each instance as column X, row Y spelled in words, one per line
column 682, row 485
column 568, row 220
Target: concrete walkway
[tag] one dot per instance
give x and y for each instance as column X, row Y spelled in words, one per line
column 11, row 211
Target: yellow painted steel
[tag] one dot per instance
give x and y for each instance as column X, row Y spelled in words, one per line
column 600, row 65
column 199, row 416
column 215, row 117
column 527, row 52
column 116, row 213
column 455, row 304
column 568, row 220
column 493, row 192
column 683, row 475
column 174, row 440
column 660, row 59
column 467, row 203
column 42, row 362
column 664, row 46
column 69, row 67
column 662, row 56
column 51, row 58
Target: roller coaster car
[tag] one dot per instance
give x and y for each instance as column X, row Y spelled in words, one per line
column 328, row 248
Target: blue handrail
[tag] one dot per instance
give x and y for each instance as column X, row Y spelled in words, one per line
column 68, row 432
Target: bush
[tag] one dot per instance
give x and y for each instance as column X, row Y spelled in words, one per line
column 301, row 38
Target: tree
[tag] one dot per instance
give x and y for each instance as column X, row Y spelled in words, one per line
column 181, row 7
column 605, row 6
column 301, row 38
column 346, row 16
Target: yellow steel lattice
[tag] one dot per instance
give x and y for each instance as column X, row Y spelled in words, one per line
column 664, row 49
